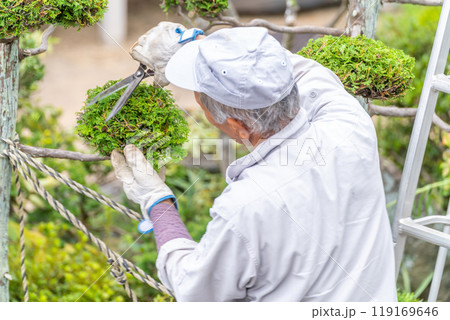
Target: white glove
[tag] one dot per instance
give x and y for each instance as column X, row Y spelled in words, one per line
column 140, row 181
column 155, row 48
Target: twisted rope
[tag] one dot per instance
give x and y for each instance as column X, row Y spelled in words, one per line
column 121, row 278
column 19, row 160
column 22, row 220
column 78, row 187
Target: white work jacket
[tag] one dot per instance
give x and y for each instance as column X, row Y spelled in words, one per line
column 303, row 217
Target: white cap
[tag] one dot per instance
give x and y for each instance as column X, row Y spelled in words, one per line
column 244, row 68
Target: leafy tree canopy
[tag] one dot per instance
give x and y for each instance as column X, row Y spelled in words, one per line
column 16, row 17
column 210, row 8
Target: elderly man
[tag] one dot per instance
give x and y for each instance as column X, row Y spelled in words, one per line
column 303, row 217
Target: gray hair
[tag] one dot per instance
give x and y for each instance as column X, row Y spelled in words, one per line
column 265, row 121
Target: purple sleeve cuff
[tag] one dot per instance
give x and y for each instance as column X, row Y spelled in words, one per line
column 167, row 224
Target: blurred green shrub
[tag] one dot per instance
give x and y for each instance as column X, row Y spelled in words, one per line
column 365, row 67
column 17, row 17
column 404, row 296
column 31, row 69
column 61, row 266
column 412, row 29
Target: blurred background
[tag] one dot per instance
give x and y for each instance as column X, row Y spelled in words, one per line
column 62, row 264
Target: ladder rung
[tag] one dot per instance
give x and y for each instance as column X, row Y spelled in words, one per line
column 433, row 219
column 419, row 231
column 441, row 82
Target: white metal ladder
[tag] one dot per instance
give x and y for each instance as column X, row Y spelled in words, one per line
column 435, row 81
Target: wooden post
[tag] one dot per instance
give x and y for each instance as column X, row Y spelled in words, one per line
column 290, row 18
column 362, row 18
column 9, row 87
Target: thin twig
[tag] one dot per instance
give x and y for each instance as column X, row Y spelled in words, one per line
column 185, row 16
column 418, row 2
column 392, row 111
column 341, row 12
column 230, row 21
column 37, row 152
column 42, row 47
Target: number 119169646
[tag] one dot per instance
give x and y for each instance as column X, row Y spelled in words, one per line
column 383, row 311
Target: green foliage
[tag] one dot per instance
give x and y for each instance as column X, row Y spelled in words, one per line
column 16, row 17
column 412, row 30
column 406, row 294
column 150, row 120
column 403, row 296
column 61, row 266
column 209, row 8
column 366, row 67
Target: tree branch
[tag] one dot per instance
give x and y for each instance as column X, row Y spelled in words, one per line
column 419, row 2
column 37, row 152
column 42, row 47
column 7, row 40
column 393, row 111
column 230, row 21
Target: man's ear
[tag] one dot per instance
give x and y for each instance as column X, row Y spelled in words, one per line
column 239, row 128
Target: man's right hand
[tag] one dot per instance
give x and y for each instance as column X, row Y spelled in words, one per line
column 155, row 48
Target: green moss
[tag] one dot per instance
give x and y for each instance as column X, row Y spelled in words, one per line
column 366, row 67
column 16, row 17
column 150, row 120
column 203, row 8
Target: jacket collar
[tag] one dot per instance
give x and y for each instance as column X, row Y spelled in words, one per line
column 294, row 128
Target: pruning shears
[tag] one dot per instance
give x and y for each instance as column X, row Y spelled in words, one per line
column 131, row 82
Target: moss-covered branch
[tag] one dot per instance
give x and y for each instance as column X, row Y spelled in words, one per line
column 396, row 112
column 41, row 48
column 419, row 2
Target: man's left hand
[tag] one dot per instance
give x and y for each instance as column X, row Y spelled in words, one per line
column 140, row 181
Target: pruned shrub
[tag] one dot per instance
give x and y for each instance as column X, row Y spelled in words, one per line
column 150, row 120
column 365, row 66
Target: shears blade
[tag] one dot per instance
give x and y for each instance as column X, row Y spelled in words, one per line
column 115, row 87
column 131, row 82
